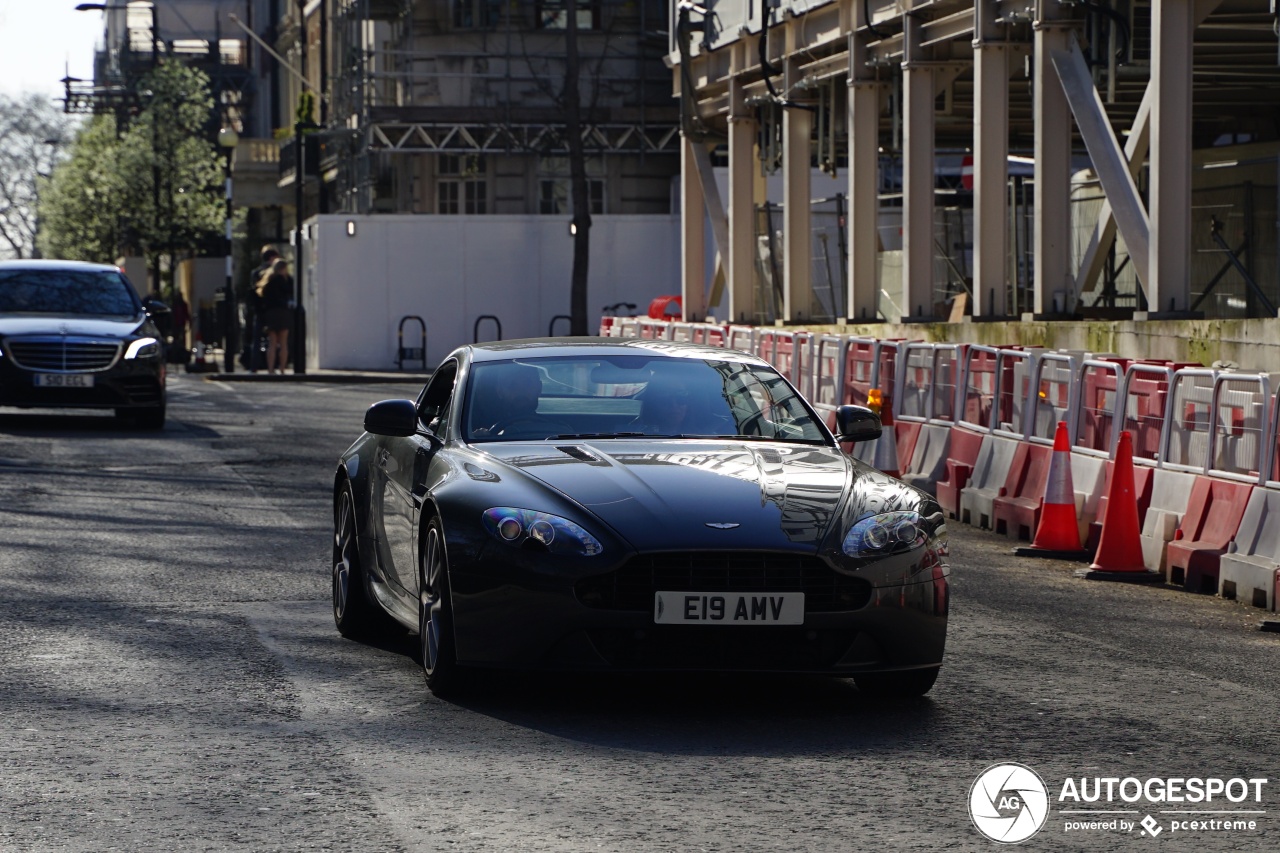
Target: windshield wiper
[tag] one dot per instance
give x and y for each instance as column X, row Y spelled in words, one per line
column 570, row 435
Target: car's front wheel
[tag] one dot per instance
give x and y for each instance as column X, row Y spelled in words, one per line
column 909, row 683
column 355, row 615
column 152, row 418
column 435, row 615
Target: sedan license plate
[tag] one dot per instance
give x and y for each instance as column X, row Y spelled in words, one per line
column 64, row 380
column 728, row 608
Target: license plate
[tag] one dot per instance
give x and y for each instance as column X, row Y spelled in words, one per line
column 728, row 608
column 64, row 380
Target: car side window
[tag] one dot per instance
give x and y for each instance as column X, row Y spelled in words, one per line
column 433, row 408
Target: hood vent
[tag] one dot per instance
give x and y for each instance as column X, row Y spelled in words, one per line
column 578, row 453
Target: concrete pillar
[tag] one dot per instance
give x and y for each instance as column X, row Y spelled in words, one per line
column 693, row 234
column 917, row 179
column 1173, row 25
column 864, row 181
column 742, row 232
column 990, row 165
column 797, row 127
column 1053, row 123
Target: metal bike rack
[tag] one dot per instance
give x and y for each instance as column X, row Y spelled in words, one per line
column 551, row 329
column 475, row 330
column 418, row 353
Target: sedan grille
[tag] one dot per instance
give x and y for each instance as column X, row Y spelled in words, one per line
column 632, row 587
column 64, row 355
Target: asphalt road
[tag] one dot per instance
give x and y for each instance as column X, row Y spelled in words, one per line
column 170, row 679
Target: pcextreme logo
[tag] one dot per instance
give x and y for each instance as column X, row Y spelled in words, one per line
column 1009, row 803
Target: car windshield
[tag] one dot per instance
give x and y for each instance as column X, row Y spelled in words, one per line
column 627, row 396
column 100, row 293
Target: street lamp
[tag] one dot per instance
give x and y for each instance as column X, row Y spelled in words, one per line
column 53, row 144
column 227, row 141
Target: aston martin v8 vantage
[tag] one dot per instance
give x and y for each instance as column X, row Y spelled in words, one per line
column 615, row 504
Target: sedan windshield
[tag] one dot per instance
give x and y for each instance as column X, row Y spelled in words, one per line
column 100, row 293
column 630, row 396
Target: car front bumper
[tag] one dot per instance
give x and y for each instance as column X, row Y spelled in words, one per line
column 508, row 616
column 133, row 384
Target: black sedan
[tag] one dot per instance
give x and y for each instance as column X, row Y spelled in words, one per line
column 76, row 335
column 610, row 504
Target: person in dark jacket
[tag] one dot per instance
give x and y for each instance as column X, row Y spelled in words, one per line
column 275, row 304
column 251, row 358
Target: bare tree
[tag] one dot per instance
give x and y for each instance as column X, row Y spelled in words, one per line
column 31, row 129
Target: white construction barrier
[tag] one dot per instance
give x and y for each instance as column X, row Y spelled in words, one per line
column 1170, row 491
column 1248, row 570
column 989, row 473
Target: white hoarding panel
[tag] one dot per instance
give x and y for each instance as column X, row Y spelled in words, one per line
column 372, row 271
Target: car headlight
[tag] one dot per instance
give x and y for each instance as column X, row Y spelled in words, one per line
column 884, row 534
column 527, row 528
column 143, row 348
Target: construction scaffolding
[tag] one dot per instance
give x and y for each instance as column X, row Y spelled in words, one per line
column 483, row 81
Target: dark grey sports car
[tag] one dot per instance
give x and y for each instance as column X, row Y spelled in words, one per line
column 610, row 504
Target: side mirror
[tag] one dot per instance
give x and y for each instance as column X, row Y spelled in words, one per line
column 397, row 418
column 156, row 308
column 856, row 423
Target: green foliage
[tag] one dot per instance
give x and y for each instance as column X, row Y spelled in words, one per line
column 155, row 189
column 77, row 204
column 306, row 108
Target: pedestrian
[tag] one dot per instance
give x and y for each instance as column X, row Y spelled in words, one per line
column 181, row 314
column 252, row 310
column 275, row 307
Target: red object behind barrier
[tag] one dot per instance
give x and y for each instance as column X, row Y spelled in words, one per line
column 1146, row 405
column 1017, row 508
column 962, row 453
column 1097, row 405
column 666, row 308
column 1212, row 520
column 907, row 433
column 860, row 363
column 980, row 388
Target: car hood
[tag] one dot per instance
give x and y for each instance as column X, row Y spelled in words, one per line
column 45, row 324
column 692, row 494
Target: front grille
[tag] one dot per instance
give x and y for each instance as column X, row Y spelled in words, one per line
column 632, row 587
column 70, row 355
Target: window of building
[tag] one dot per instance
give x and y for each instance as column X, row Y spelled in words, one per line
column 476, row 14
column 555, row 195
column 554, row 14
column 461, row 184
column 555, row 186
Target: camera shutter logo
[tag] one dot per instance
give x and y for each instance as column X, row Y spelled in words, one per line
column 1009, row 803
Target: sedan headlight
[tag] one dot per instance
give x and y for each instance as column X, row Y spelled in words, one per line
column 143, row 348
column 884, row 534
column 527, row 528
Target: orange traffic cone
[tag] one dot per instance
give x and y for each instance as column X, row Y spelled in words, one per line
column 1119, row 554
column 1058, row 534
column 886, row 456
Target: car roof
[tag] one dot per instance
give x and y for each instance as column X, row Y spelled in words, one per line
column 588, row 347
column 43, row 264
